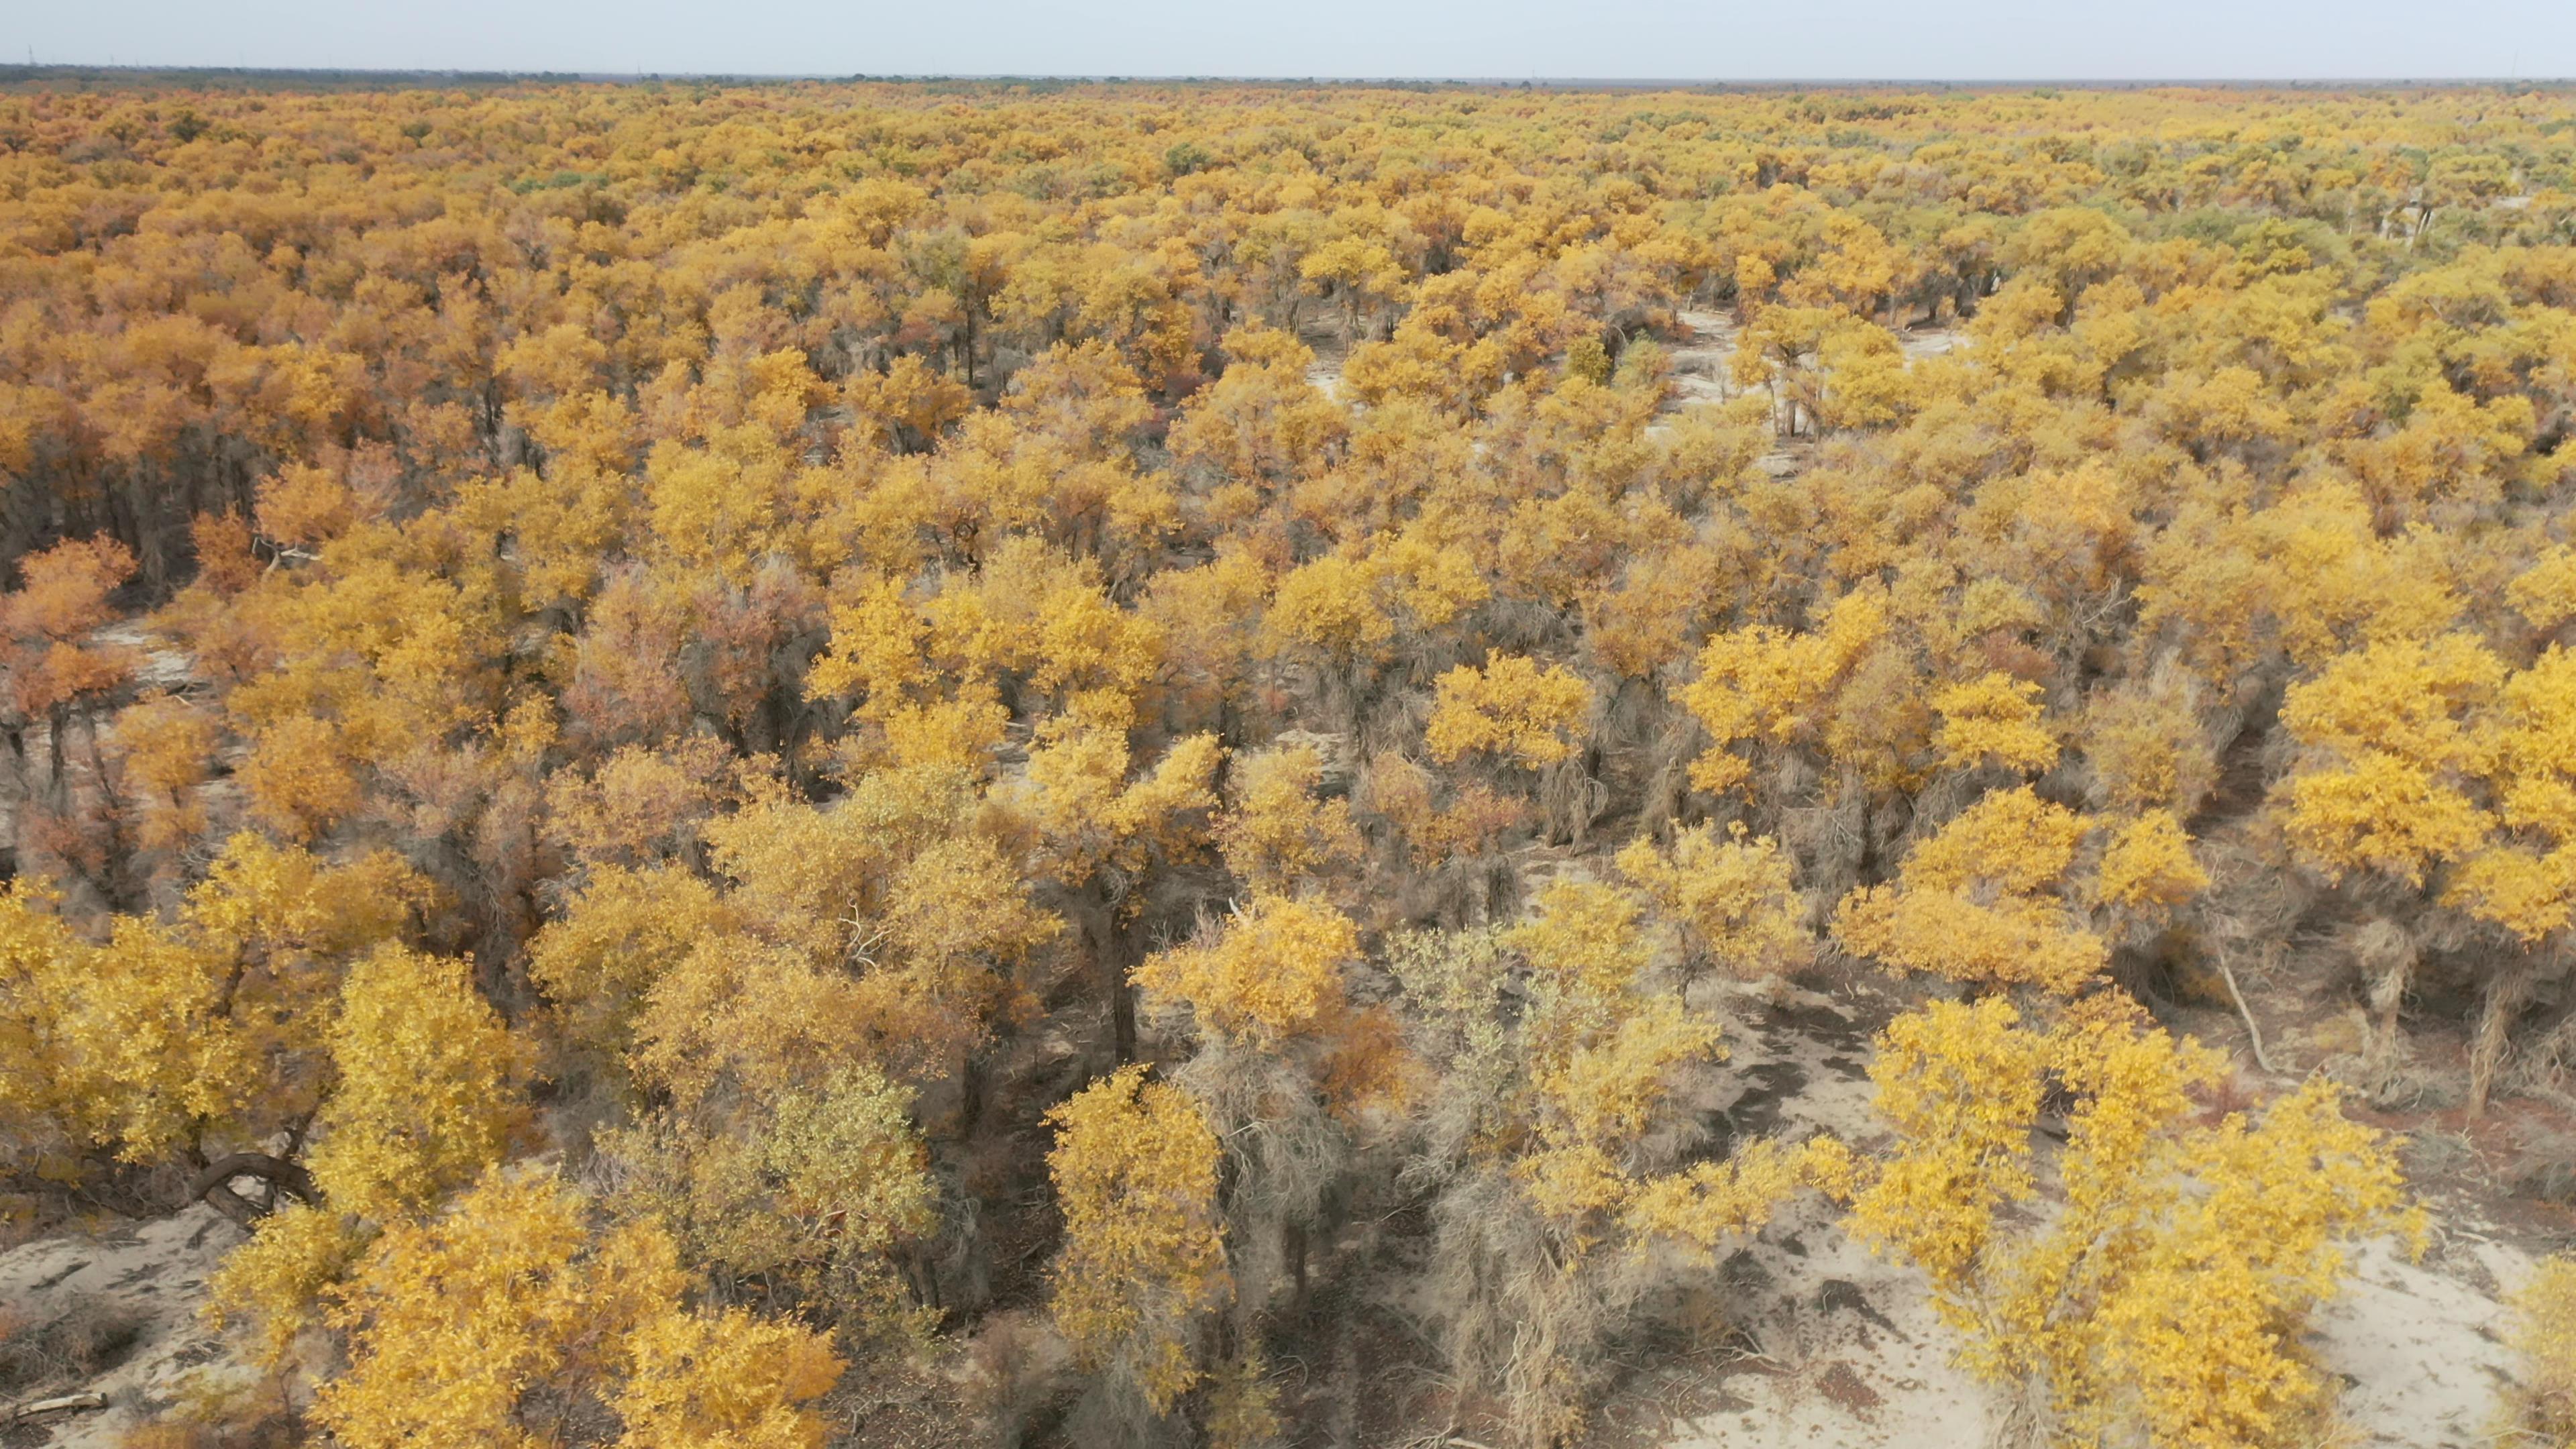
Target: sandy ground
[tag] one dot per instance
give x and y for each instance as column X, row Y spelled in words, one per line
column 2419, row 1344
column 1699, row 364
column 1850, row 1351
column 155, row 1272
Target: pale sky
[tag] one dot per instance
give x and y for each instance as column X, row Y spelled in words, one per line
column 1510, row 39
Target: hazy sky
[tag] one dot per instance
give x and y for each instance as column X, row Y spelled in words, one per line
column 1709, row 39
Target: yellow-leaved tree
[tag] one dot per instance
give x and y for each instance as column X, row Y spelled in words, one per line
column 1513, row 707
column 2388, row 777
column 1287, row 1071
column 196, row 1041
column 1996, row 719
column 2162, row 1301
column 1762, row 686
column 2519, row 883
column 1143, row 1269
column 1527, row 717
column 506, row 1317
column 1735, row 900
column 1278, row 830
column 1103, row 830
column 428, row 1094
column 1985, row 901
column 2429, row 766
column 430, row 1088
column 1554, row 1140
column 2541, row 1406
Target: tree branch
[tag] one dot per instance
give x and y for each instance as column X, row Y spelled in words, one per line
column 2251, row 1029
column 213, row 1186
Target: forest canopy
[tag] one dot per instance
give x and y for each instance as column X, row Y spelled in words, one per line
column 1120, row 764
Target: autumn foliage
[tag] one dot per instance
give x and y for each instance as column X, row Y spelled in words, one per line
column 718, row 757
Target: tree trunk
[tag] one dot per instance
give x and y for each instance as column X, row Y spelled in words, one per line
column 2505, row 998
column 1295, row 1233
column 213, row 1186
column 1099, row 926
column 1122, row 1007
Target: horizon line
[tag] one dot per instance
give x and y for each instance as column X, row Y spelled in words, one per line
column 21, row 71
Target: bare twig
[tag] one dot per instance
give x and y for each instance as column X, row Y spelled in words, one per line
column 2251, row 1029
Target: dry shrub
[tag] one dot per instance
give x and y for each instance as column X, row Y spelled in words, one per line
column 81, row 1344
column 1011, row 1372
column 1287, row 1153
column 2540, row 1066
column 1570, row 800
column 256, row 1420
column 2544, row 1163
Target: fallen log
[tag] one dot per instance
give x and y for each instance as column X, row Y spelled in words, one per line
column 35, row 1410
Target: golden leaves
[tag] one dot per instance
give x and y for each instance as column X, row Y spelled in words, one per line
column 213, row 1025
column 2542, row 1334
column 724, row 1380
column 2385, row 786
column 875, row 652
column 42, row 1080
column 812, row 1185
column 1993, row 717
column 304, row 506
column 1961, row 1084
column 849, row 1163
column 1329, row 604
column 1735, row 900
column 1089, row 812
column 460, row 1329
column 300, row 779
column 1278, row 831
column 63, row 590
column 1584, row 940
column 1602, row 1089
column 2146, row 745
column 2015, row 942
column 278, row 1281
column 48, row 651
column 1274, row 971
column 1143, row 1262
column 452, row 1321
column 1512, row 707
column 1763, row 683
column 2529, row 894
column 1712, row 1202
column 2154, row 1301
column 2545, row 593
column 431, row 1086
column 2434, row 756
column 1983, row 901
column 2148, row 865
column 1261, row 422
column 615, row 940
column 1032, row 454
